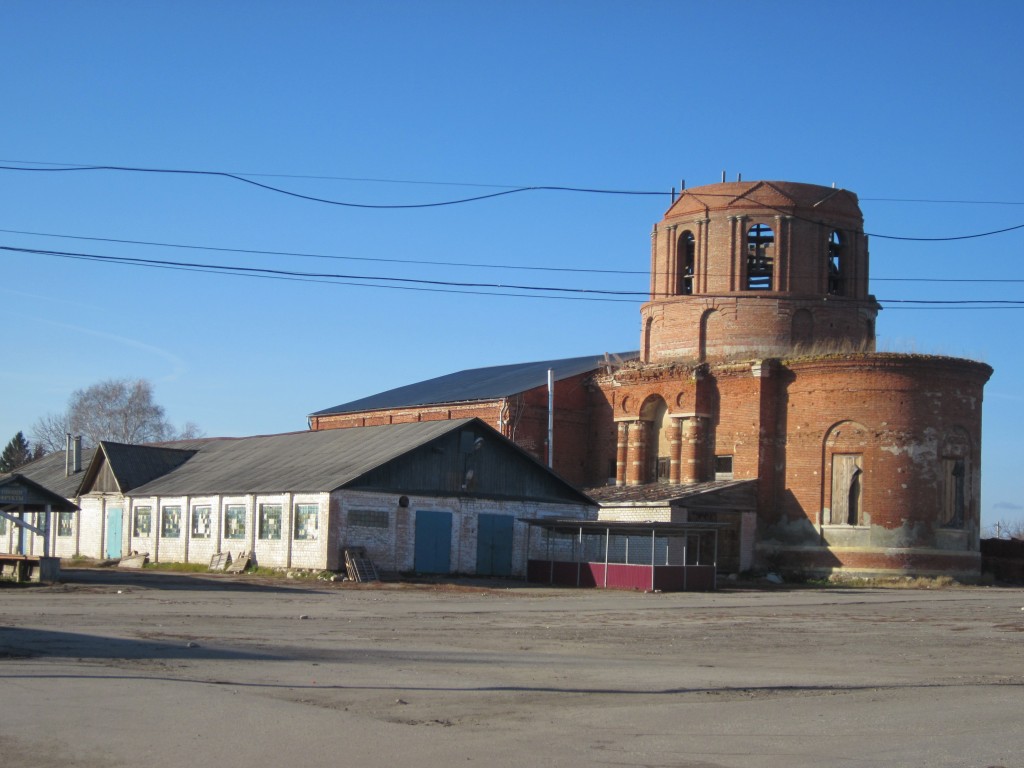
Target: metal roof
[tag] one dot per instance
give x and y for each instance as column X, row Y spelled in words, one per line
column 476, row 384
column 135, row 465
column 724, row 494
column 51, row 472
column 314, row 461
column 621, row 527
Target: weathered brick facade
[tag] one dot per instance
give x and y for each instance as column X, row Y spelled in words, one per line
column 758, row 362
column 522, row 418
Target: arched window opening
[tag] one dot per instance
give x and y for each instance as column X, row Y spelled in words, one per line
column 710, row 331
column 954, row 500
column 760, row 257
column 648, row 327
column 847, row 477
column 836, row 280
column 956, row 480
column 686, row 251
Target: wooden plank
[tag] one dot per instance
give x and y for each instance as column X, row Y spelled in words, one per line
column 134, row 560
column 220, row 561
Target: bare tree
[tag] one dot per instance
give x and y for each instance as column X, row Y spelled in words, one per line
column 121, row 410
column 50, row 431
column 1007, row 529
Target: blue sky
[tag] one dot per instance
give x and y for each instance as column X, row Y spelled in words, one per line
column 411, row 102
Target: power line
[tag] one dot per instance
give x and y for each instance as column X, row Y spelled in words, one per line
column 476, row 198
column 312, row 198
column 787, row 212
column 326, row 256
column 427, row 262
column 446, row 285
column 265, row 271
column 427, row 182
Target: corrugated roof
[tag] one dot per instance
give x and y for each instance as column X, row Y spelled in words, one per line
column 724, row 493
column 294, row 462
column 50, row 472
column 475, row 384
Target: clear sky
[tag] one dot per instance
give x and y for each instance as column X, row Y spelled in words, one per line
column 914, row 106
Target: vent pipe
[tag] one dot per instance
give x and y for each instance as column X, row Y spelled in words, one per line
column 67, row 454
column 551, row 418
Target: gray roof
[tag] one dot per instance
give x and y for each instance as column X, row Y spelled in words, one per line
column 306, row 462
column 51, row 472
column 476, row 384
column 724, row 494
column 23, row 492
column 135, row 465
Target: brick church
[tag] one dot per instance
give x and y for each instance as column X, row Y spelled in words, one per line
column 757, row 399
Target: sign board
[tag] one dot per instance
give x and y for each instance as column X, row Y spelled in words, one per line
column 13, row 494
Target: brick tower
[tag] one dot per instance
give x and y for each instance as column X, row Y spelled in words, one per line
column 758, row 368
column 758, row 269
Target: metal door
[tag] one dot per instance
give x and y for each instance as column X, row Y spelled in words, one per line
column 433, row 541
column 494, row 545
column 114, row 515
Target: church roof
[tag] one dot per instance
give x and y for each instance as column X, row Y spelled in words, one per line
column 769, row 197
column 476, row 384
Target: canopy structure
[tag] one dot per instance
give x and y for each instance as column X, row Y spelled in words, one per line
column 20, row 496
column 655, row 556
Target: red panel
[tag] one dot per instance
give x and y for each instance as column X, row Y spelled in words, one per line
column 629, row 576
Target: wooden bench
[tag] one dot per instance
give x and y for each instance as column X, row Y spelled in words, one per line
column 21, row 568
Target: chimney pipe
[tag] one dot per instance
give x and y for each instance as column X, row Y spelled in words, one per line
column 77, row 453
column 67, row 454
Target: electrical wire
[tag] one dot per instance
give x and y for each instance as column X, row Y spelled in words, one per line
column 327, row 256
column 312, row 198
column 447, row 285
column 477, row 198
column 427, row 262
column 266, row 271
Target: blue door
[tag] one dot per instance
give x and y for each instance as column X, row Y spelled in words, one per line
column 114, row 515
column 494, row 545
column 433, row 541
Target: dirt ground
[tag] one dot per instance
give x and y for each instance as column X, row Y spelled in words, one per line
column 145, row 668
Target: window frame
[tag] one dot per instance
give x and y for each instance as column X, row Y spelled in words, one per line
column 370, row 518
column 170, row 521
column 268, row 528
column 137, row 531
column 196, row 511
column 235, row 514
column 302, row 515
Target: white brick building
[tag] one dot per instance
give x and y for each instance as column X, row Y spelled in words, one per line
column 432, row 497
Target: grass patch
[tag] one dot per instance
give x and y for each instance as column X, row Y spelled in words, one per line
column 178, row 567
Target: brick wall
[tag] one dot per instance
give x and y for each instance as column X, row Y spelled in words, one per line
column 522, row 417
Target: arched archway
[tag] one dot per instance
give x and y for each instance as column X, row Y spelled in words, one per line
column 954, row 457
column 843, row 476
column 760, row 258
column 654, row 414
column 710, row 322
column 685, row 263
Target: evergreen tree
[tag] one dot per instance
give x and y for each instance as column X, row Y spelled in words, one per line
column 16, row 453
